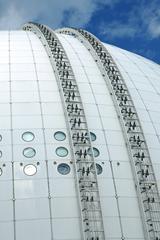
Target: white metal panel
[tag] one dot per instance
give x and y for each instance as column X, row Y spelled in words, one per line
column 6, row 190
column 54, row 121
column 6, row 152
column 63, row 187
column 109, row 205
column 18, row 152
column 65, row 207
column 52, row 108
column 38, row 229
column 71, row 229
column 6, row 211
column 21, row 76
column 24, row 108
column 132, row 228
column 5, row 122
column 32, row 209
column 4, row 76
column 25, row 96
column 112, row 227
column 125, row 187
column 23, row 67
column 47, row 96
column 34, row 188
column 129, row 207
column 18, row 140
column 50, row 139
column 106, row 187
column 19, row 173
column 27, row 122
column 7, row 230
column 24, row 86
column 6, row 137
column 50, row 86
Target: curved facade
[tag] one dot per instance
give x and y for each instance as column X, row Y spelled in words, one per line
column 41, row 174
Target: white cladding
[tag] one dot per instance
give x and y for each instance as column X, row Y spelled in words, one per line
column 30, row 102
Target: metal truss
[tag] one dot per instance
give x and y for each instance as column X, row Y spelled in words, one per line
column 141, row 163
column 79, row 135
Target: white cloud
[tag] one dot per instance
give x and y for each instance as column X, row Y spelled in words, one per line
column 154, row 28
column 11, row 18
column 151, row 19
column 117, row 29
column 141, row 20
column 52, row 12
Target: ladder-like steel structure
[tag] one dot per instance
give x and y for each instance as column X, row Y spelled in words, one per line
column 142, row 168
column 82, row 152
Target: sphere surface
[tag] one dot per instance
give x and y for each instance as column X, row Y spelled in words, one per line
column 38, row 197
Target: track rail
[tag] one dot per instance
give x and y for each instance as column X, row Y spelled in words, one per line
column 79, row 136
column 142, row 169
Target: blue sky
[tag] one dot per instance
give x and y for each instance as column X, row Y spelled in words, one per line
column 130, row 24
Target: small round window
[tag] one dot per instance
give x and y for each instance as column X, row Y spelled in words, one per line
column 29, row 152
column 1, row 171
column 28, row 136
column 0, row 154
column 95, row 152
column 63, row 168
column 30, row 170
column 62, row 151
column 0, row 138
column 93, row 136
column 99, row 169
column 60, row 136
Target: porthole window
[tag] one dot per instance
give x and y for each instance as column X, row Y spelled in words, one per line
column 93, row 136
column 0, row 138
column 95, row 152
column 60, row 136
column 1, row 171
column 63, row 168
column 99, row 169
column 29, row 152
column 62, row 151
column 0, row 154
column 28, row 136
column 30, row 170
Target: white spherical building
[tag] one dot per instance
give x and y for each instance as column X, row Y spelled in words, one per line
column 79, row 138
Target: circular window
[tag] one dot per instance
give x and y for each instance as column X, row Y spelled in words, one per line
column 95, row 152
column 29, row 152
column 62, row 151
column 60, row 136
column 93, row 136
column 99, row 168
column 30, row 169
column 63, row 168
column 0, row 138
column 0, row 154
column 28, row 136
column 1, row 171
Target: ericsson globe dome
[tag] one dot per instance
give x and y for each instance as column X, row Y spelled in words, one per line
column 79, row 138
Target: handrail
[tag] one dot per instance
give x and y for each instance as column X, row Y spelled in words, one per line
column 142, row 169
column 79, row 136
